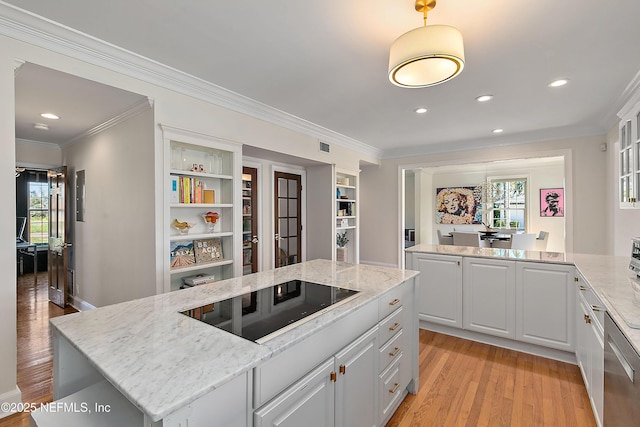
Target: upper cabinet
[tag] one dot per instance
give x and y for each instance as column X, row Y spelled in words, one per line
column 202, row 213
column 629, row 155
column 346, row 216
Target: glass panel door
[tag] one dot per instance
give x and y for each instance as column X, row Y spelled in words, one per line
column 288, row 227
column 249, row 220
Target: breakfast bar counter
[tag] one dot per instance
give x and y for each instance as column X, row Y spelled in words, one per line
column 617, row 287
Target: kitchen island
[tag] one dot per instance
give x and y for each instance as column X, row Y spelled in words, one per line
column 146, row 361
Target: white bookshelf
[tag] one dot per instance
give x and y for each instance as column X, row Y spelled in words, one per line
column 195, row 164
column 346, row 212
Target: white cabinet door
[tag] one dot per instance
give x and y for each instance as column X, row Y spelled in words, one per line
column 440, row 288
column 489, row 296
column 582, row 343
column 545, row 299
column 308, row 403
column 356, row 383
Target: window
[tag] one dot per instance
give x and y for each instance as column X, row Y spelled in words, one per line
column 508, row 206
column 38, row 227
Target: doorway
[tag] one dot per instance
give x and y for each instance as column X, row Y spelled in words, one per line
column 288, row 218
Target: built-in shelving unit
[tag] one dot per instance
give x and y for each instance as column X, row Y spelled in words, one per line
column 346, row 214
column 203, row 192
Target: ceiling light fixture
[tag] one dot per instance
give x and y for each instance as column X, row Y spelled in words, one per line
column 49, row 116
column 497, row 130
column 484, row 98
column 427, row 55
column 41, row 126
column 420, row 110
column 558, row 83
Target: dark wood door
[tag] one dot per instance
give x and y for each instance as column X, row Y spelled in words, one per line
column 249, row 220
column 57, row 251
column 288, row 224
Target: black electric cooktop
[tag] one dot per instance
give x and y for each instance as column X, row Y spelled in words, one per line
column 264, row 314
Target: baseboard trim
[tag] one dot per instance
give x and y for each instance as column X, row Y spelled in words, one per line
column 12, row 397
column 81, row 305
column 536, row 350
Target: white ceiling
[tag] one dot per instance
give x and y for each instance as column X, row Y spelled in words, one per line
column 326, row 62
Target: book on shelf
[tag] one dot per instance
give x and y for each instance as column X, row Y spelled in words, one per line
column 208, row 250
column 181, row 254
column 191, row 190
column 198, row 279
column 173, row 190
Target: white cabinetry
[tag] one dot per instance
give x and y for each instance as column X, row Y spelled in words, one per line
column 590, row 344
column 488, row 288
column 440, row 291
column 202, row 176
column 629, row 154
column 346, row 214
column 545, row 298
column 340, row 392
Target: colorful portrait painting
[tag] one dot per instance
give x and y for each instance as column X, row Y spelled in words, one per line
column 552, row 202
column 458, row 205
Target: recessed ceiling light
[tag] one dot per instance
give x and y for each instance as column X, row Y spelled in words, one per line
column 484, row 98
column 420, row 110
column 41, row 126
column 498, row 130
column 558, row 83
column 49, row 116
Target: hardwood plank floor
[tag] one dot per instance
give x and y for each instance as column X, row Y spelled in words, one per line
column 465, row 383
column 35, row 344
column 462, row 383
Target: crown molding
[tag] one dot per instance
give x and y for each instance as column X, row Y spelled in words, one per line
column 136, row 109
column 28, row 27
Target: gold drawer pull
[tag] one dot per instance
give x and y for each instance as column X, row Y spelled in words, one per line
column 582, row 288
column 587, row 319
column 394, row 302
column 343, row 369
column 595, row 308
column 394, row 352
column 394, row 389
column 394, row 327
column 333, row 377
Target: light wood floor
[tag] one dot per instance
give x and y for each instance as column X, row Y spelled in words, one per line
column 462, row 383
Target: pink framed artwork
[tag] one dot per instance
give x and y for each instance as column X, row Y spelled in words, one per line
column 552, row 202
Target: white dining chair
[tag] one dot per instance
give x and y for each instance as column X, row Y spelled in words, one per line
column 526, row 241
column 444, row 240
column 542, row 240
column 466, row 239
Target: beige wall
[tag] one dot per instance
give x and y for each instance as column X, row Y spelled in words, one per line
column 586, row 182
column 38, row 154
column 113, row 248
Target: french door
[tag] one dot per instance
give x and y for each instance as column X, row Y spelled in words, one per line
column 288, row 224
column 249, row 220
column 57, row 251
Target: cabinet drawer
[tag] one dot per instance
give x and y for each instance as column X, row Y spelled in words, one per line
column 390, row 301
column 392, row 350
column 592, row 301
column 390, row 326
column 390, row 388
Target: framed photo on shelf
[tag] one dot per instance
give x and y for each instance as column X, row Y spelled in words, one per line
column 552, row 202
column 208, row 250
column 181, row 254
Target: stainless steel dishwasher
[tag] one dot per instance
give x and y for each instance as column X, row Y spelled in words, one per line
column 621, row 378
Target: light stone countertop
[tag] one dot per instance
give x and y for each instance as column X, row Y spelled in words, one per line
column 161, row 360
column 617, row 287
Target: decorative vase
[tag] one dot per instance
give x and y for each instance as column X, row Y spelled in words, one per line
column 341, row 254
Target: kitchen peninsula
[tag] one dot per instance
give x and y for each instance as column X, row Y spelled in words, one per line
column 145, row 363
column 546, row 303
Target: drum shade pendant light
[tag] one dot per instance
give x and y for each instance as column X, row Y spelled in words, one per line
column 427, row 55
